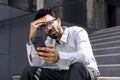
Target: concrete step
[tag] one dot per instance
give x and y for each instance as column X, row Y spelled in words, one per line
column 108, row 78
column 106, row 30
column 108, row 59
column 107, row 39
column 108, row 50
column 112, row 70
column 106, row 44
column 99, row 78
column 16, row 77
column 104, row 35
column 98, row 36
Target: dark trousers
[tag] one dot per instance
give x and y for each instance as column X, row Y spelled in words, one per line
column 77, row 71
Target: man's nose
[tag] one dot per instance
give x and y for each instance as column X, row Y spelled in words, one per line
column 49, row 27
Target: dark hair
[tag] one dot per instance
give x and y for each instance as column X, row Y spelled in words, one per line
column 42, row 12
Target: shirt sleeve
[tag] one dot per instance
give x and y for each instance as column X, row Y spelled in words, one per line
column 83, row 53
column 35, row 60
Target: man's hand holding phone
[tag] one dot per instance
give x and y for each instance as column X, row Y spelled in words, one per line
column 49, row 54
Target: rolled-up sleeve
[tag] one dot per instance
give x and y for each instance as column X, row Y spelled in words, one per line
column 35, row 59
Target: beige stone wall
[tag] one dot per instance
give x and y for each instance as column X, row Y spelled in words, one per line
column 100, row 14
column 96, row 14
column 40, row 4
column 90, row 13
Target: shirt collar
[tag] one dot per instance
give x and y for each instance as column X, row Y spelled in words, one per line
column 64, row 36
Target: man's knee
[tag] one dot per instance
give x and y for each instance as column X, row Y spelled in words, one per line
column 77, row 65
column 77, row 71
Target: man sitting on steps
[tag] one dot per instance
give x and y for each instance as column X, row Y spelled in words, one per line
column 67, row 56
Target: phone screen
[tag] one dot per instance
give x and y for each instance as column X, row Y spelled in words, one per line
column 38, row 42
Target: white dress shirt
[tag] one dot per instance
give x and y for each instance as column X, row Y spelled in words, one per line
column 74, row 47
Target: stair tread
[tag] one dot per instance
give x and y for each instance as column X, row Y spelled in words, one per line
column 106, row 48
column 106, row 30
column 109, row 65
column 108, row 78
column 104, row 43
column 117, row 36
column 104, row 35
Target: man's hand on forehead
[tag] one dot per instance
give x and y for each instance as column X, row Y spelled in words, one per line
column 41, row 20
column 38, row 22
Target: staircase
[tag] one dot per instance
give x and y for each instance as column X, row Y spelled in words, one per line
column 106, row 48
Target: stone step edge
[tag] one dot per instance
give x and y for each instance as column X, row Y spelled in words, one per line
column 107, row 48
column 108, row 78
column 107, row 30
column 104, row 32
column 107, row 34
column 109, row 65
column 92, row 40
column 17, row 77
column 105, row 43
column 107, row 55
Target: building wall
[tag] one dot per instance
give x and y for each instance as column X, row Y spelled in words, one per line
column 70, row 11
column 4, row 2
column 23, row 4
column 113, row 8
column 96, row 14
column 118, row 16
column 75, row 12
column 4, row 51
column 40, row 4
column 54, row 3
column 90, row 13
column 14, row 31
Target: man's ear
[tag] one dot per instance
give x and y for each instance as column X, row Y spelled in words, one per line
column 59, row 21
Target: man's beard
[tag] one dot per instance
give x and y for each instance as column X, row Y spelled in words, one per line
column 55, row 35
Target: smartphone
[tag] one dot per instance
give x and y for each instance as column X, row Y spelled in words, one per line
column 38, row 42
